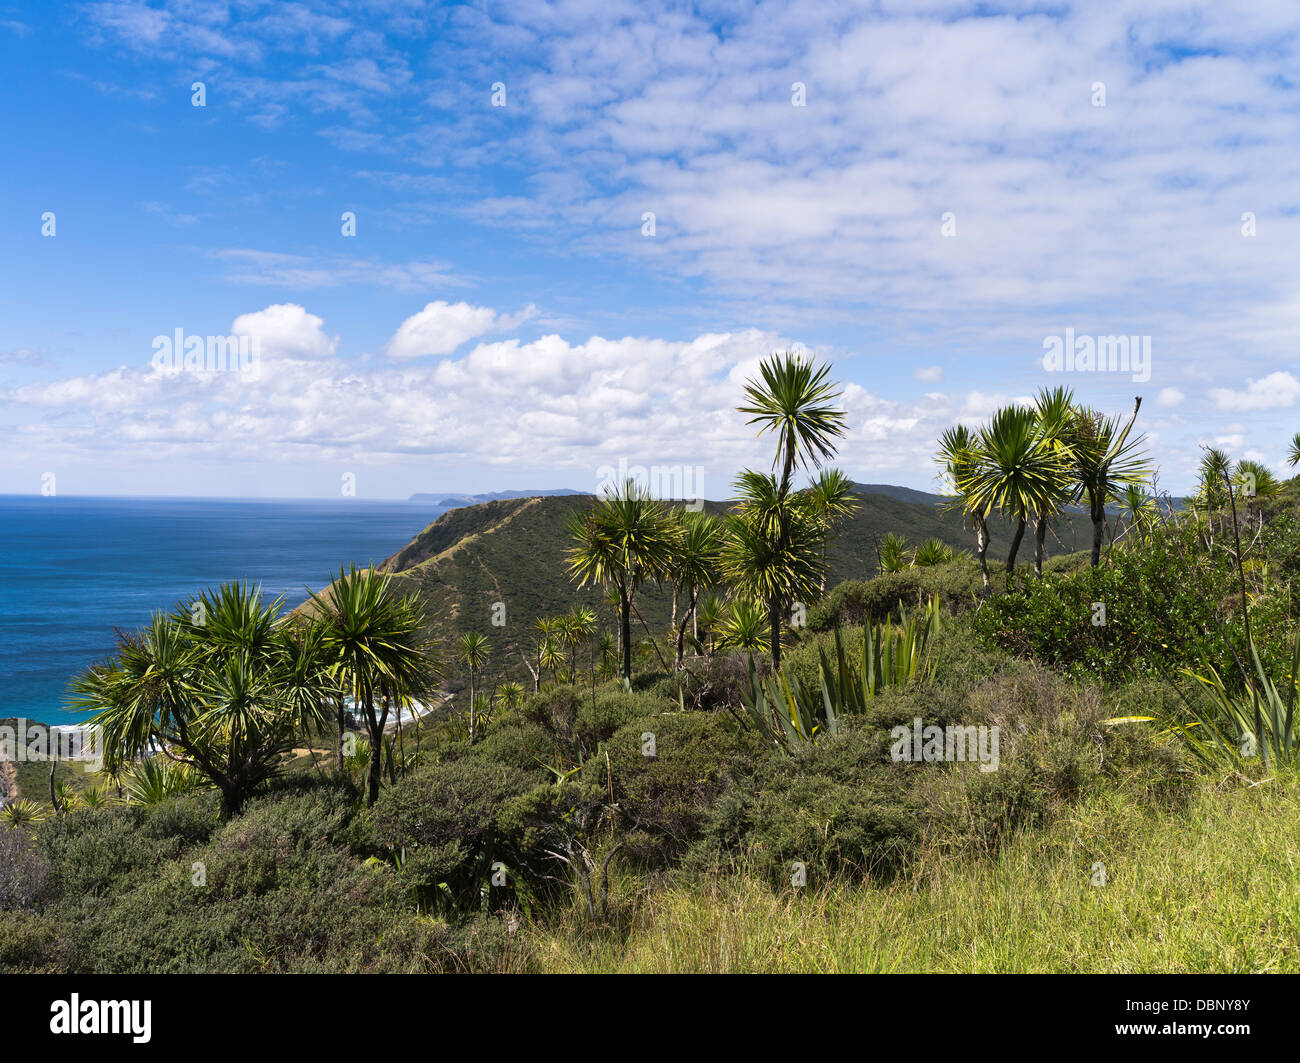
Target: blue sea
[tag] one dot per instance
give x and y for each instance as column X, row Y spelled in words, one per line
column 74, row 569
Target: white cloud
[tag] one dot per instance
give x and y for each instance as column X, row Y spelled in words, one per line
column 442, row 327
column 932, row 373
column 777, row 215
column 286, row 330
column 1276, row 391
column 550, row 404
column 303, row 272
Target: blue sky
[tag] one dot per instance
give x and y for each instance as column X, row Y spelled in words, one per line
column 954, row 190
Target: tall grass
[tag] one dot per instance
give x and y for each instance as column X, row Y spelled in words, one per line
column 1209, row 890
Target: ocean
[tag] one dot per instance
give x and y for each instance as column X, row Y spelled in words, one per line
column 74, row 569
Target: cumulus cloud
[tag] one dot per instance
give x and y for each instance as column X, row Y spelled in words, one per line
column 1276, row 391
column 286, row 330
column 442, row 327
column 1123, row 219
column 548, row 404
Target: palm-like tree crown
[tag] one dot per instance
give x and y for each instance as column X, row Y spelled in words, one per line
column 743, row 626
column 472, row 649
column 773, row 546
column 1016, row 469
column 1255, row 480
column 892, row 551
column 697, row 549
column 376, row 641
column 218, row 685
column 1215, row 472
column 1058, row 425
column 832, row 496
column 957, row 457
column 796, row 402
column 308, row 685
column 1137, row 506
column 1104, row 457
column 626, row 538
column 376, row 636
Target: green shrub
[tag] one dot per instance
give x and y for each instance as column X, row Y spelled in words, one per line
column 91, row 853
column 451, row 822
column 613, row 708
column 275, row 889
column 1169, row 601
column 521, row 744
column 662, row 800
column 1154, row 612
column 956, row 584
column 188, row 820
column 712, row 684
column 24, row 873
column 555, row 710
column 840, row 809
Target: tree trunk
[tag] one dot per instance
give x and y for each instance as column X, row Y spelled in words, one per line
column 376, row 772
column 687, row 618
column 982, row 540
column 1040, row 540
column 1015, row 549
column 1098, row 522
column 535, row 673
column 54, row 797
column 471, row 706
column 375, row 725
column 774, row 620
column 232, row 799
column 625, row 631
column 338, row 752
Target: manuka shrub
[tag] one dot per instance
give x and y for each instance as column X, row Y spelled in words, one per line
column 555, row 710
column 97, row 852
column 957, row 584
column 713, row 684
column 448, row 825
column 840, row 809
column 611, row 708
column 520, row 744
column 664, row 772
column 24, row 872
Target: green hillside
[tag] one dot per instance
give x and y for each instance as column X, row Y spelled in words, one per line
column 512, row 551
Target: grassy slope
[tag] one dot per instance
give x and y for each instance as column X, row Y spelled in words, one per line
column 32, row 777
column 1176, row 899
column 512, row 551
